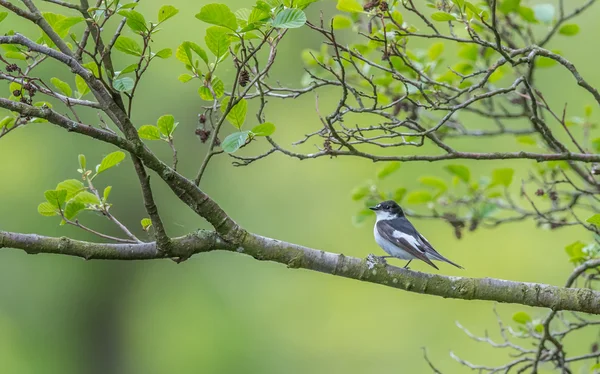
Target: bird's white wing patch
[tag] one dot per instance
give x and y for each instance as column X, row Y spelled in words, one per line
column 414, row 242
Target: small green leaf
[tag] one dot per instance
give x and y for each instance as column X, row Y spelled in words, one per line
column 575, row 252
column 509, row 6
column 341, row 22
column 434, row 182
column 146, row 223
column 360, row 192
column 442, row 17
column 419, row 197
column 164, row 53
column 521, row 317
column 82, row 161
column 135, row 20
column 527, row 14
column 149, row 132
column 62, row 87
column 82, row 87
column 388, row 169
column 569, row 29
column 594, row 220
column 588, row 111
column 72, row 208
column 234, row 141
column 526, row 139
column 460, row 171
column 264, row 129
column 435, row 51
column 56, row 197
column 362, row 216
column 218, row 87
column 218, row 14
column 217, row 40
column 397, row 17
column 595, row 367
column 237, row 114
column 47, row 209
column 166, row 12
column 184, row 78
column 123, row 84
column 3, row 15
column 166, row 125
column 72, row 186
column 502, row 177
column 87, row 198
column 128, row 45
column 106, row 193
column 399, row 194
column 7, row 122
column 111, row 160
column 289, row 18
column 351, row 6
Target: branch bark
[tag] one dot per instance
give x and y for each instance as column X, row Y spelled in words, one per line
column 296, row 256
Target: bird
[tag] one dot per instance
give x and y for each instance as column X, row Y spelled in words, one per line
column 400, row 239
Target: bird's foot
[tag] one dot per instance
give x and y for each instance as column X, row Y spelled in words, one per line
column 373, row 260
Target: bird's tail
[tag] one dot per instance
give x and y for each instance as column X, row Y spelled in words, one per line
column 439, row 257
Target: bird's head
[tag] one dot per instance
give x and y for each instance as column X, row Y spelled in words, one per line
column 387, row 210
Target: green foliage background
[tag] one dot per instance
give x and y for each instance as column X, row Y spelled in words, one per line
column 224, row 312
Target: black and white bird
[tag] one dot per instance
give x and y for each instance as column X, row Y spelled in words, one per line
column 400, row 239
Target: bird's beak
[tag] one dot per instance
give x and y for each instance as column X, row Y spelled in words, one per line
column 373, row 208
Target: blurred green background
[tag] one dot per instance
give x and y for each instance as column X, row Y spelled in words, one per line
column 228, row 313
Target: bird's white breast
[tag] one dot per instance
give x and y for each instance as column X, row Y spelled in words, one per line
column 390, row 248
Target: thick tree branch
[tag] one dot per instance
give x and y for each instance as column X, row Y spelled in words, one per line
column 296, row 256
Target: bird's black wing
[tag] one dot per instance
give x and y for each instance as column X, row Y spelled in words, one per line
column 386, row 229
column 436, row 254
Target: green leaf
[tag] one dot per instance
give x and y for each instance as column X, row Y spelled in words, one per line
column 341, row 22
column 399, row 194
column 544, row 12
column 527, row 14
column 362, row 216
column 594, row 220
column 217, row 40
column 434, row 182
column 111, row 160
column 149, row 132
column 359, row 192
column 205, row 93
column 164, row 53
column 218, row 87
column 106, row 193
column 7, row 122
column 87, row 197
column 184, row 78
column 469, row 52
column 351, row 6
column 166, row 12
column 129, row 69
column 419, row 197
column 47, row 209
column 146, row 223
column 72, row 186
column 521, row 317
column 442, row 17
column 123, row 84
column 82, row 161
column 166, row 124
column 397, row 17
column 569, row 29
column 502, row 177
column 3, row 15
column 526, row 139
column 56, row 197
column 199, row 51
column 588, row 111
column 63, row 26
column 218, row 14
column 82, row 87
column 460, row 171
column 72, row 208
column 15, row 55
column 509, row 6
column 289, row 19
column 62, row 87
column 595, row 367
column 128, row 45
column 135, row 20
column 264, row 129
column 234, row 141
column 435, row 51
column 237, row 114
column 388, row 169
column 575, row 252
